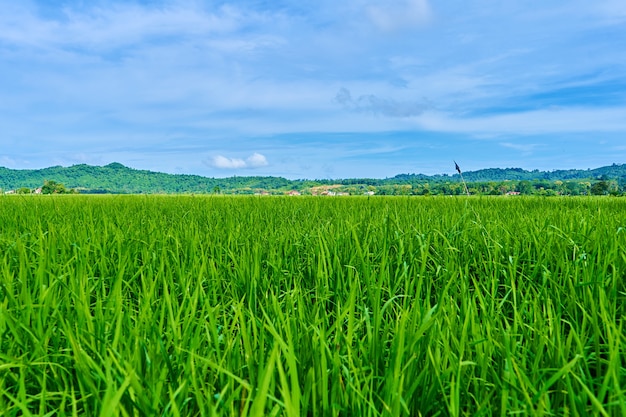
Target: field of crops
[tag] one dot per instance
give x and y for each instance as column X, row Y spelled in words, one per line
column 312, row 306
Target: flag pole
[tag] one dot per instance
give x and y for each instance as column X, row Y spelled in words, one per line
column 456, row 166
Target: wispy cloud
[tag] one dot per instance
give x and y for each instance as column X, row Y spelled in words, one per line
column 117, row 25
column 256, row 160
column 614, row 11
column 380, row 106
column 525, row 148
column 552, row 120
column 399, row 14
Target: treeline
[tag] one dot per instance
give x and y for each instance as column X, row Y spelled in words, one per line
column 507, row 187
column 119, row 179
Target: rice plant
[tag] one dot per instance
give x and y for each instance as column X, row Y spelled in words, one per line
column 312, row 306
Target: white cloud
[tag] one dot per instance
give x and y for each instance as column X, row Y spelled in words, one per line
column 399, row 14
column 256, row 160
column 222, row 162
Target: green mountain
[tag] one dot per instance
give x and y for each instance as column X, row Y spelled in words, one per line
column 117, row 178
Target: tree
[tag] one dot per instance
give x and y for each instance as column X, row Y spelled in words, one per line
column 600, row 188
column 524, row 187
column 53, row 187
column 572, row 188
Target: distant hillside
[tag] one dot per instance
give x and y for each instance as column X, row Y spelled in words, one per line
column 117, row 178
column 611, row 172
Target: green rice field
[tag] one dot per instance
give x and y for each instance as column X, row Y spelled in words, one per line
column 312, row 306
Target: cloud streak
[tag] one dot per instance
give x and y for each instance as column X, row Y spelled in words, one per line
column 544, row 121
column 399, row 14
column 120, row 24
column 525, row 148
column 379, row 106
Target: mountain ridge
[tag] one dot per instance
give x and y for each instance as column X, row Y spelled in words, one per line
column 614, row 172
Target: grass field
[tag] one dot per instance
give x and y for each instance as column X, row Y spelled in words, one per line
column 305, row 306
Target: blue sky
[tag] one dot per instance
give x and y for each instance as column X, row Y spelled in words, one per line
column 313, row 89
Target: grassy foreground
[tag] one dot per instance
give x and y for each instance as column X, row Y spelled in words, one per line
column 184, row 306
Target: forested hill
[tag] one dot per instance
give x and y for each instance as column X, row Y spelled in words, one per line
column 611, row 172
column 117, row 178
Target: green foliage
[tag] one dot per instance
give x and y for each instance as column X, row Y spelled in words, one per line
column 381, row 306
column 600, row 188
column 53, row 187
